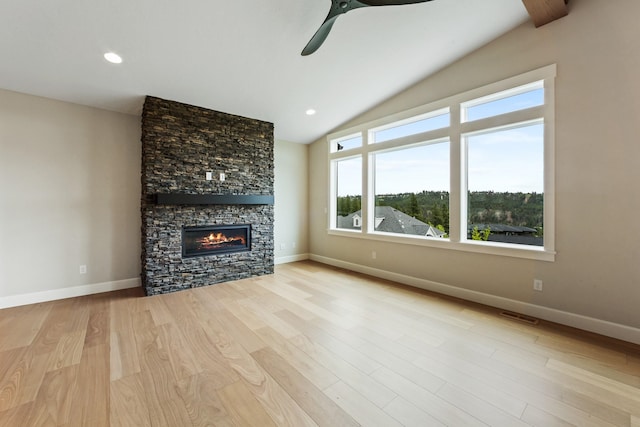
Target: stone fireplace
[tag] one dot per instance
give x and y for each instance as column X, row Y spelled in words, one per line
column 207, row 197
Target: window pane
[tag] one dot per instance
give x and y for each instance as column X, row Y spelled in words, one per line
column 412, row 190
column 412, row 128
column 349, row 193
column 347, row 143
column 504, row 104
column 506, row 185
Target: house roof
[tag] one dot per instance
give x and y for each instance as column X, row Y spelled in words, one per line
column 391, row 220
column 502, row 228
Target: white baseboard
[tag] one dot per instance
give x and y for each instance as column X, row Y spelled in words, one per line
column 62, row 293
column 602, row 327
column 290, row 258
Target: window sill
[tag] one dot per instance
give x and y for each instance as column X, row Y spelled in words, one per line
column 487, row 248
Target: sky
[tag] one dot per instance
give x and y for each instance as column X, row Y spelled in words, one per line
column 510, row 160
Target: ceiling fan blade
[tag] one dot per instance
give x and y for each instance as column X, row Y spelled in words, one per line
column 390, row 2
column 339, row 7
column 320, row 36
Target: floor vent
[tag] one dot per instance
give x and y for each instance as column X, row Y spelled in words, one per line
column 519, row 317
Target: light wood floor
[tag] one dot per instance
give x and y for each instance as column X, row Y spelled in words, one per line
column 310, row 345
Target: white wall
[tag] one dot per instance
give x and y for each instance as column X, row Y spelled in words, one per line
column 69, row 196
column 595, row 274
column 291, row 202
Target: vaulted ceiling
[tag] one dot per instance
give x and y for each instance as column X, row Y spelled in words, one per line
column 242, row 57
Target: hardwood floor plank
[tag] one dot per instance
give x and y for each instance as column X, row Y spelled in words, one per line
column 482, row 390
column 91, row 399
column 128, row 405
column 564, row 344
column 242, row 406
column 480, row 408
column 429, row 402
column 519, row 368
column 182, row 361
column 278, row 404
column 18, row 416
column 310, row 398
column 285, row 304
column 18, row 334
column 208, row 357
column 350, row 375
column 97, row 332
column 55, row 325
column 11, row 373
column 283, row 328
column 361, row 409
column 199, row 394
column 54, row 402
column 410, row 415
column 537, row 417
column 315, row 373
column 23, row 380
column 158, row 379
column 348, row 353
column 240, row 332
column 541, row 399
column 68, row 351
column 597, row 380
column 246, row 316
column 309, row 345
column 124, row 356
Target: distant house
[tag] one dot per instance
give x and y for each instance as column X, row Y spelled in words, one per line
column 391, row 220
column 509, row 234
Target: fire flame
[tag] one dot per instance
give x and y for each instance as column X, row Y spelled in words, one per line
column 219, row 238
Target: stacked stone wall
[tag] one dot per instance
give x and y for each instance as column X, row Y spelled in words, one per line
column 180, row 144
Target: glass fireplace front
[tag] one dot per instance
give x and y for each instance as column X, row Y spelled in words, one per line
column 215, row 239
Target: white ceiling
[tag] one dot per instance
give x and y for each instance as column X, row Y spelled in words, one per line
column 241, row 56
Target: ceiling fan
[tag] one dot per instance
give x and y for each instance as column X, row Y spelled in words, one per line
column 339, row 7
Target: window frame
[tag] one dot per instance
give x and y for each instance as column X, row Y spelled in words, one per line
column 456, row 134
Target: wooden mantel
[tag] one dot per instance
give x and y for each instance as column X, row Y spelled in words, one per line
column 544, row 11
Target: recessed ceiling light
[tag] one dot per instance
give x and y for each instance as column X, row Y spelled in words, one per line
column 114, row 58
column 310, row 112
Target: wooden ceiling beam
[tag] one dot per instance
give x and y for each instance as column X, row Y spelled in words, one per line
column 544, row 11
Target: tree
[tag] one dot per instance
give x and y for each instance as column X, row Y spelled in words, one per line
column 414, row 209
column 480, row 235
column 354, row 204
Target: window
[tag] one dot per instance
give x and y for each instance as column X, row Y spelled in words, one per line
column 472, row 172
column 413, row 126
column 346, row 143
column 505, row 184
column 412, row 190
column 520, row 98
column 348, row 180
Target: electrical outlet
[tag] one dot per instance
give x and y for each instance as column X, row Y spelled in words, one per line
column 283, row 246
column 222, row 177
column 374, row 254
column 537, row 285
column 83, row 269
column 208, row 176
column 293, row 245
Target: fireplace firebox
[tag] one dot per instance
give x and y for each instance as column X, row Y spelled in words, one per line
column 215, row 239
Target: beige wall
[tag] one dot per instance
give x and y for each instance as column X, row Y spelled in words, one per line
column 70, row 196
column 291, row 201
column 595, row 274
column 70, row 191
